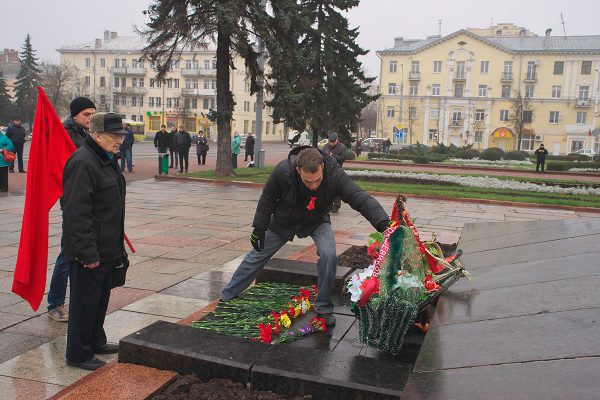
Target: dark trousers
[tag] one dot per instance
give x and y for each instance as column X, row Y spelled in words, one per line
column 249, row 155
column 183, row 157
column 90, row 292
column 59, row 281
column 173, row 156
column 201, row 159
column 234, row 160
column 4, row 179
column 19, row 153
column 126, row 157
column 538, row 164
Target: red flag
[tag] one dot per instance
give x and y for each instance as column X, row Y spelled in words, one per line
column 51, row 146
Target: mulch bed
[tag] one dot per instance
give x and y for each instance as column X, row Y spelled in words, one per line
column 190, row 387
column 355, row 257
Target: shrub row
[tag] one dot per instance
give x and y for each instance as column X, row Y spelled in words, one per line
column 567, row 165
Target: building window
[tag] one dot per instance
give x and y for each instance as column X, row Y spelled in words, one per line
column 527, row 141
column 393, row 66
column 102, row 81
column 86, row 81
column 123, row 100
column 412, row 113
column 458, row 90
column 527, row 116
column 584, row 92
column 169, row 102
column 247, row 87
column 456, row 118
column 483, row 90
column 556, row 92
column 503, row 115
column 134, row 63
column 268, row 128
column 205, row 104
column 123, row 82
column 586, row 67
column 206, row 64
column 529, row 91
column 390, row 111
column 531, row 70
column 437, row 67
column 433, row 134
column 414, row 67
column 150, row 101
column 158, row 102
column 559, row 67
column 434, row 113
column 212, row 104
column 391, row 88
column 576, row 145
column 194, row 103
column 507, row 73
column 414, row 89
column 207, row 84
column 460, row 70
column 213, row 84
column 175, row 65
column 134, row 101
column 435, row 89
column 102, row 99
column 88, row 63
column 254, row 107
column 247, row 106
column 169, row 83
column 134, row 82
column 246, row 126
column 176, row 83
column 485, row 66
column 553, row 117
column 142, row 102
column 134, row 118
column 478, row 138
column 102, row 63
column 581, row 117
column 479, row 115
column 506, row 91
column 253, row 127
column 214, row 64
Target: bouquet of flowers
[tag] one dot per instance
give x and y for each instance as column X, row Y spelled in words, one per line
column 406, row 276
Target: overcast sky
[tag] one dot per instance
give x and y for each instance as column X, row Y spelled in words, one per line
column 53, row 24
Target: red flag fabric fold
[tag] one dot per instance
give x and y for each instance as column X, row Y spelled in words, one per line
column 51, row 146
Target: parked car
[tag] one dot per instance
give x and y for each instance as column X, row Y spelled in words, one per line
column 377, row 144
column 586, row 152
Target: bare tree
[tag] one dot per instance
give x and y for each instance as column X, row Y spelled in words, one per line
column 57, row 84
column 522, row 113
column 183, row 109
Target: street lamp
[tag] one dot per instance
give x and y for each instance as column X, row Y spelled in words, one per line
column 596, row 104
column 74, row 72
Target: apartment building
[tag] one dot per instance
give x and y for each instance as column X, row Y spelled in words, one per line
column 461, row 89
column 111, row 72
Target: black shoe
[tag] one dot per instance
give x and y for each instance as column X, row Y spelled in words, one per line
column 91, row 365
column 107, row 349
column 3, row 190
column 334, row 210
column 329, row 318
column 11, row 170
column 23, row 172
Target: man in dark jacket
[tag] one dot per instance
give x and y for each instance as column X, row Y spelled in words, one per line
column 126, row 150
column 16, row 134
column 77, row 126
column 337, row 150
column 295, row 202
column 249, row 148
column 172, row 149
column 161, row 140
column 93, row 234
column 183, row 142
column 540, row 154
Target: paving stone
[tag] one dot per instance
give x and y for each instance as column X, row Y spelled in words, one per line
column 328, row 375
column 122, row 296
column 7, row 299
column 548, row 380
column 13, row 344
column 14, row 389
column 153, row 281
column 218, row 275
column 166, row 306
column 163, row 265
column 565, row 334
column 40, row 325
column 205, row 353
column 196, row 289
column 122, row 323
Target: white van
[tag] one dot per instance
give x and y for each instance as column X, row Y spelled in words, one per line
column 298, row 139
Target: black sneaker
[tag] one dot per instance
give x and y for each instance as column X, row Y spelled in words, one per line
column 329, row 318
column 107, row 349
column 91, row 365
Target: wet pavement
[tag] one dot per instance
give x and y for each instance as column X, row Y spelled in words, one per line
column 185, row 234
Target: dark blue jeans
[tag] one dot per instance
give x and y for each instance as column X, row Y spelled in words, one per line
column 19, row 153
column 59, row 281
column 126, row 156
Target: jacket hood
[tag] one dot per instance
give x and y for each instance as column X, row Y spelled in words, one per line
column 70, row 123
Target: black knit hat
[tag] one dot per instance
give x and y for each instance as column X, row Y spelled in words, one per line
column 79, row 104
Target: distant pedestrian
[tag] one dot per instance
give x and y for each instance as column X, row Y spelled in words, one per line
column 235, row 148
column 5, row 144
column 358, row 148
column 202, row 148
column 16, row 134
column 172, row 149
column 126, row 149
column 336, row 149
column 540, row 154
column 249, row 148
column 386, row 146
column 183, row 142
column 161, row 140
column 77, row 126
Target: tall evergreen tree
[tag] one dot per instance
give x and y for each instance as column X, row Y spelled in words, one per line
column 6, row 104
column 327, row 87
column 178, row 24
column 27, row 82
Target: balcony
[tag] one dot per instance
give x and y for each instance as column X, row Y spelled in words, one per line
column 507, row 77
column 456, row 123
column 531, row 78
column 414, row 76
column 131, row 90
column 582, row 103
column 193, row 73
column 197, row 92
column 129, row 71
column 459, row 76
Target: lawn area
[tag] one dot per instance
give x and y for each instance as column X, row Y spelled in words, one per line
column 427, row 189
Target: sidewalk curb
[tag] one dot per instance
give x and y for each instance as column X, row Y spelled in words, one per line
column 255, row 185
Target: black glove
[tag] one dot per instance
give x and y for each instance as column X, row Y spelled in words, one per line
column 383, row 226
column 257, row 239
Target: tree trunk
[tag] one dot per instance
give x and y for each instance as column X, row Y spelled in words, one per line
column 224, row 166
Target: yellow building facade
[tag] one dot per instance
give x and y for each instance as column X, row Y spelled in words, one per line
column 461, row 89
column 110, row 71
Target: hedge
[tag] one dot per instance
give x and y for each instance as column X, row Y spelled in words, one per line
column 491, row 154
column 567, row 165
